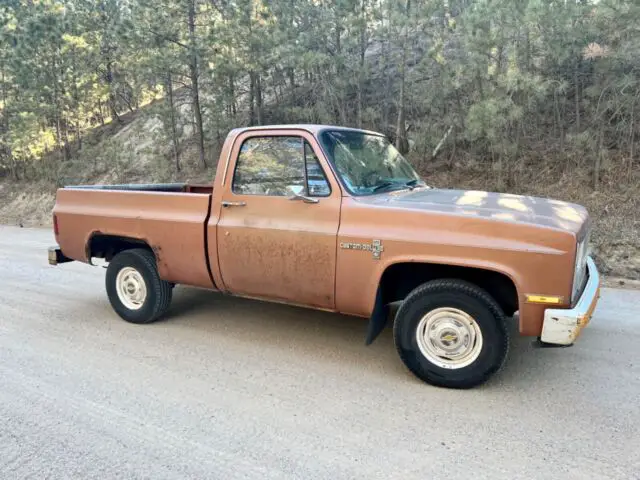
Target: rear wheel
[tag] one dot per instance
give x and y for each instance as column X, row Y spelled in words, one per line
column 134, row 287
column 451, row 333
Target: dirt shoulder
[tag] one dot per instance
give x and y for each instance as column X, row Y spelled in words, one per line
column 26, row 204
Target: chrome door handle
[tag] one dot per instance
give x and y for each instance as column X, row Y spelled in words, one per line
column 304, row 199
column 233, row 204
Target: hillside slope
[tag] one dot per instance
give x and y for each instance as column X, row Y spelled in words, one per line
column 135, row 151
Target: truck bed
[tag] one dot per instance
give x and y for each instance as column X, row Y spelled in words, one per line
column 170, row 218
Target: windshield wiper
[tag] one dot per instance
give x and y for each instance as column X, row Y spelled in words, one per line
column 385, row 185
column 415, row 183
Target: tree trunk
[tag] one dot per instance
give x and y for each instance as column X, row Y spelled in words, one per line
column 100, row 114
column 499, row 55
column 388, row 82
column 632, row 133
column 112, row 97
column 193, row 71
column 598, row 161
column 340, row 93
column 576, row 81
column 78, row 134
column 5, row 146
column 252, row 95
column 290, row 71
column 291, row 74
column 65, row 137
column 363, row 48
column 61, row 137
column 76, row 103
column 259, row 109
column 172, row 118
column 64, row 121
column 277, row 86
column 77, row 129
column 232, row 93
column 527, row 46
column 58, row 130
column 402, row 143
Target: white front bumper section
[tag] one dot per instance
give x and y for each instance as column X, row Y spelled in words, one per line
column 562, row 326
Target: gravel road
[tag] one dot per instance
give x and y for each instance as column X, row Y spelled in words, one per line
column 228, row 388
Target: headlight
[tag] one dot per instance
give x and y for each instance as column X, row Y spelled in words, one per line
column 580, row 271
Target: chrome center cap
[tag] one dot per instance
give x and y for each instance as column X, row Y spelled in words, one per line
column 449, row 337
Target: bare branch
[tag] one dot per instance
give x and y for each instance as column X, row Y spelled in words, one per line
column 168, row 39
column 441, row 143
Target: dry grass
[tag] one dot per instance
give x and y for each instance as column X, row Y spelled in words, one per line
column 27, row 205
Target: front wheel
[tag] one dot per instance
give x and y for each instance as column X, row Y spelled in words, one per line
column 451, row 333
column 134, row 287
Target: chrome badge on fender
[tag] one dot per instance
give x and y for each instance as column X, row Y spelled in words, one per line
column 375, row 247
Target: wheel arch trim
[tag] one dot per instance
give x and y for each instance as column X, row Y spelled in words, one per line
column 137, row 242
column 379, row 308
column 494, row 267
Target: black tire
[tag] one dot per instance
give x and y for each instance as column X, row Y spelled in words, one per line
column 472, row 300
column 159, row 292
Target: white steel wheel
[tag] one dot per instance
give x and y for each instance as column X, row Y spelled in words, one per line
column 131, row 288
column 449, row 338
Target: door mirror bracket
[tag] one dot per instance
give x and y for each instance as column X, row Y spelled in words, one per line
column 297, row 194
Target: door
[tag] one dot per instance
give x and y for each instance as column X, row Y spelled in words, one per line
column 278, row 226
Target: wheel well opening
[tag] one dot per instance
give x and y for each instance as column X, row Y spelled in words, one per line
column 400, row 279
column 108, row 246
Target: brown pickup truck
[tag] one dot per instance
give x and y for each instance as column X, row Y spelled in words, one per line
column 336, row 219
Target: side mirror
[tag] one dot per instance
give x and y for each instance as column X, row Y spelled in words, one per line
column 296, row 192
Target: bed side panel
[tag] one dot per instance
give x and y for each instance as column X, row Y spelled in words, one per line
column 173, row 224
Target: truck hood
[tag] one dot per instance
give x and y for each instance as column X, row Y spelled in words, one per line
column 502, row 207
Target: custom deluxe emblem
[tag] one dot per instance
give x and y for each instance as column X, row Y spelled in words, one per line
column 374, row 247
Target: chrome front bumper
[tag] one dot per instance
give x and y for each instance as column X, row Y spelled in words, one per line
column 562, row 326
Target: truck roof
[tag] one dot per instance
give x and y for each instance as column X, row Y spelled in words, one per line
column 309, row 127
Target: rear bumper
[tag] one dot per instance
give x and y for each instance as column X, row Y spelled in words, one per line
column 562, row 326
column 56, row 256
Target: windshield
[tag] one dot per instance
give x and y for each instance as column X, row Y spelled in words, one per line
column 367, row 163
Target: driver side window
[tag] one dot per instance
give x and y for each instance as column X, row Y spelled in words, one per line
column 273, row 166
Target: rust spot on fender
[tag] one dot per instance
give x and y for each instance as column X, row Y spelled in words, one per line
column 157, row 251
